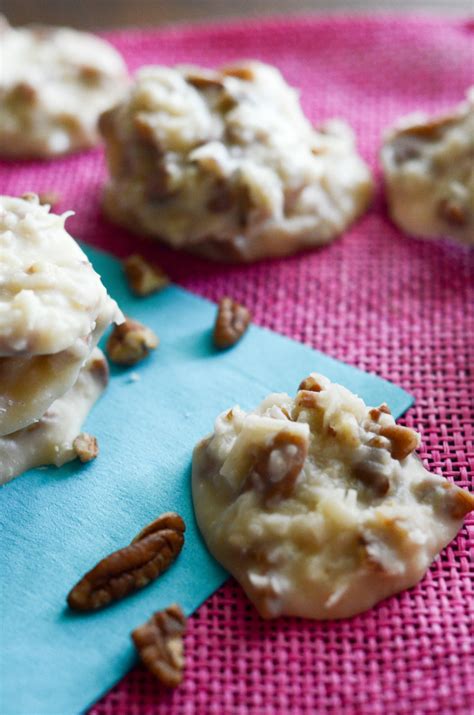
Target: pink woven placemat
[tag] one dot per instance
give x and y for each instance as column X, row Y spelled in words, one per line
column 375, row 298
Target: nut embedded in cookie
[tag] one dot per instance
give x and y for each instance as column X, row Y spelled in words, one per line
column 318, row 504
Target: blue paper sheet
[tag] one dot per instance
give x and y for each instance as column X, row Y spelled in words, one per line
column 56, row 524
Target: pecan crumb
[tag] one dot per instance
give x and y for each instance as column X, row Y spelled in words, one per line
column 131, row 568
column 49, row 197
column 231, row 322
column 130, row 342
column 159, row 643
column 403, row 440
column 143, row 277
column 86, row 447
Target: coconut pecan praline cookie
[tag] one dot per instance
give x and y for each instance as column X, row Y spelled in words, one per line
column 51, row 439
column 318, row 505
column 224, row 163
column 54, row 84
column 53, row 311
column 428, row 165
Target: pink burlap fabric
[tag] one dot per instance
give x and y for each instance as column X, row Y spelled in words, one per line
column 375, row 298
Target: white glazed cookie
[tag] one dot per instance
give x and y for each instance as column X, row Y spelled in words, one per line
column 54, row 84
column 318, row 504
column 29, row 384
column 50, row 296
column 225, row 163
column 428, row 165
column 50, row 439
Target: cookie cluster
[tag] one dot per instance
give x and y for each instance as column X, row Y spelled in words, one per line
column 53, row 311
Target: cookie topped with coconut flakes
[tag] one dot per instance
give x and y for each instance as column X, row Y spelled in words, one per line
column 50, row 295
column 319, row 505
column 225, row 163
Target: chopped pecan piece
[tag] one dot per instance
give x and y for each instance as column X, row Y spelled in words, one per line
column 278, row 464
column 204, row 79
column 222, row 199
column 453, row 212
column 231, row 322
column 23, row 93
column 143, row 277
column 130, row 342
column 89, row 74
column 431, row 130
column 86, row 447
column 461, row 502
column 310, row 384
column 159, row 643
column 376, row 412
column 131, row 568
column 306, row 400
column 370, row 474
column 244, row 73
column 445, row 497
column 49, row 197
column 403, row 440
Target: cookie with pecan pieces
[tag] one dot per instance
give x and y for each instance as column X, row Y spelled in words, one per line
column 318, row 504
column 428, row 165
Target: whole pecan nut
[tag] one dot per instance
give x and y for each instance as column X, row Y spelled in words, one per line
column 159, row 643
column 231, row 322
column 131, row 568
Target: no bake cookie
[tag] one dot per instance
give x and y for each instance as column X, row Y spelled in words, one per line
column 54, row 84
column 319, row 505
column 428, row 165
column 225, row 163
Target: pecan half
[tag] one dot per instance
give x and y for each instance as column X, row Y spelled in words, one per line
column 130, row 342
column 131, row 568
column 231, row 322
column 159, row 643
column 277, row 465
column 143, row 277
column 403, row 440
column 86, row 447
